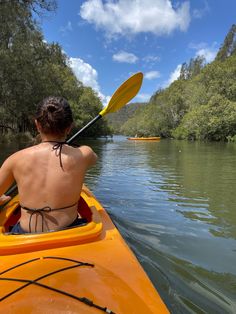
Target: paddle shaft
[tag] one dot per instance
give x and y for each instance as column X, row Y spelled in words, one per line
column 83, row 129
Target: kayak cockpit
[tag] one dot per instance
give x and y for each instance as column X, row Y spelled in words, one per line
column 10, row 243
column 15, row 212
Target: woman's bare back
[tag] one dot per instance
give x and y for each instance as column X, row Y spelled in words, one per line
column 42, row 182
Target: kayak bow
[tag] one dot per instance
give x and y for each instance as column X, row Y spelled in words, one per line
column 85, row 269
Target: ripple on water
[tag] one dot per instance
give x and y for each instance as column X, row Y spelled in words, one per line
column 186, row 287
column 174, row 202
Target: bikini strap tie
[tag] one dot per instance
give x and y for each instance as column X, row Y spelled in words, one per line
column 40, row 212
column 57, row 147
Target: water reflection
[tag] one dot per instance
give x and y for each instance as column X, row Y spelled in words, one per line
column 185, row 287
column 175, row 204
column 200, row 180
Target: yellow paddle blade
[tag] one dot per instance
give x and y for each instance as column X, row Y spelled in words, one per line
column 124, row 94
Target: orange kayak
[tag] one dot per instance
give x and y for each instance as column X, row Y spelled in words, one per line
column 85, row 269
column 153, row 138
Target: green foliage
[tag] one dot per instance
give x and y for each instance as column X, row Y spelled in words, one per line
column 163, row 113
column 140, row 124
column 231, row 139
column 200, row 105
column 31, row 69
column 219, row 77
column 214, row 121
column 89, row 107
column 192, row 69
column 229, row 46
column 117, row 120
column 9, row 136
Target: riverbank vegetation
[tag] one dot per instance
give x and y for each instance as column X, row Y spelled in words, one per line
column 200, row 105
column 31, row 69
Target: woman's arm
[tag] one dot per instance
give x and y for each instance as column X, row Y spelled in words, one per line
column 6, row 175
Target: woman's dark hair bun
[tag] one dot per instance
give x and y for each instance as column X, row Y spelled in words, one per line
column 54, row 114
column 51, row 108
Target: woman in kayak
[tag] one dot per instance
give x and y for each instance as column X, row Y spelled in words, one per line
column 49, row 175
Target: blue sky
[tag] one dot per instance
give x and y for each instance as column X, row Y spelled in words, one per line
column 107, row 41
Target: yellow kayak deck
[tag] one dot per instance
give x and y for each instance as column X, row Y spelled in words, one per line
column 85, row 269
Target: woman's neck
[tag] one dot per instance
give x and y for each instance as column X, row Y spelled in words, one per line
column 52, row 138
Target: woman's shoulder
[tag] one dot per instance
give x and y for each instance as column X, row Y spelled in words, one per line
column 25, row 152
column 13, row 159
column 85, row 154
column 88, row 154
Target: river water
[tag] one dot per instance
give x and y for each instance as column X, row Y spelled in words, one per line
column 175, row 204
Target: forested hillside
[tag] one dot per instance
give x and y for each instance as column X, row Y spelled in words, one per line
column 31, row 69
column 118, row 119
column 200, row 105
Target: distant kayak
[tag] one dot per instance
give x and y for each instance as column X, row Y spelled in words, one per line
column 153, row 138
column 86, row 269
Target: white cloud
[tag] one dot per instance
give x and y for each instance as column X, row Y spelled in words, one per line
column 124, row 56
column 88, row 76
column 152, row 75
column 208, row 53
column 125, row 17
column 173, row 76
column 67, row 28
column 84, row 72
column 199, row 13
column 151, row 58
column 203, row 49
